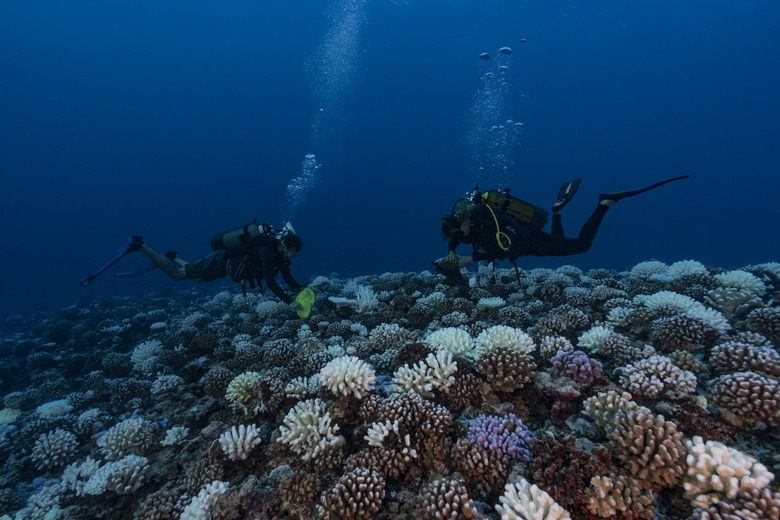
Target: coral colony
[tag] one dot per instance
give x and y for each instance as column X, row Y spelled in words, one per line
column 650, row 393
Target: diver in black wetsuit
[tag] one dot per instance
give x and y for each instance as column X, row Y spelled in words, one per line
column 496, row 236
column 259, row 261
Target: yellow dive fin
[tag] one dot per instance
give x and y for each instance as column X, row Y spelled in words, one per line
column 305, row 298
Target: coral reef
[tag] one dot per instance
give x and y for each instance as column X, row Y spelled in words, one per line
column 648, row 393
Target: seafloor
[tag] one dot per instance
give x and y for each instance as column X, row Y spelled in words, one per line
column 649, row 393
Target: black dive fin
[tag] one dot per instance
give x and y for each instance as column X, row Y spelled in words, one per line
column 131, row 244
column 619, row 195
column 566, row 193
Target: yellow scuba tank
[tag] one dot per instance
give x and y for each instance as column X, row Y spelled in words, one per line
column 240, row 237
column 528, row 215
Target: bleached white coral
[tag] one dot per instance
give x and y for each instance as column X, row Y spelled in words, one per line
column 716, row 473
column 413, row 379
column 435, row 372
column 618, row 316
column 490, row 303
column 268, row 309
column 457, row 341
column 54, row 409
column 238, row 442
column 123, row 476
column 686, row 268
column 145, row 356
column 175, row 435
column 742, row 280
column 593, row 338
column 348, row 375
column 201, row 505
column 166, row 383
column 503, row 336
column 365, row 299
column 308, row 429
column 302, row 386
column 377, row 432
column 442, row 365
column 54, row 449
column 645, row 270
column 131, row 436
column 525, row 501
column 244, row 388
column 684, row 305
column 9, row 415
column 669, row 299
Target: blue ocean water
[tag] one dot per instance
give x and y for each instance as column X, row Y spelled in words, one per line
column 179, row 120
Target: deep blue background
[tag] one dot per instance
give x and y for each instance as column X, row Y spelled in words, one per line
column 177, row 120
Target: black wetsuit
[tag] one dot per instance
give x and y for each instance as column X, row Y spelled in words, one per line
column 525, row 242
column 262, row 263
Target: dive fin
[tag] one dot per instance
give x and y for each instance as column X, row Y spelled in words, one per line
column 145, row 270
column 566, row 193
column 620, row 195
column 133, row 243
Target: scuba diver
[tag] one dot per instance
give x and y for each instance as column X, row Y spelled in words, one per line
column 248, row 255
column 499, row 226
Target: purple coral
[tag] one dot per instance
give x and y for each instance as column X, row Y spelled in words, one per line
column 506, row 434
column 577, row 366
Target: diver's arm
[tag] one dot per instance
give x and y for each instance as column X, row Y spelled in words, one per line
column 266, row 261
column 288, row 277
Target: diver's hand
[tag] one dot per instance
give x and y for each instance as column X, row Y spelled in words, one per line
column 464, row 260
column 452, row 256
column 295, row 306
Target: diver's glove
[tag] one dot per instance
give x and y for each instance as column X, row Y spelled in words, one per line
column 465, row 260
column 452, row 256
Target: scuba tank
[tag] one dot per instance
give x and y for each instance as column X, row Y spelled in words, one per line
column 528, row 215
column 240, row 237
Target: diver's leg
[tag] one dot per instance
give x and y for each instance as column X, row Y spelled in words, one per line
column 173, row 269
column 557, row 226
column 543, row 244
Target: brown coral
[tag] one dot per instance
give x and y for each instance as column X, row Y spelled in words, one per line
column 563, row 469
column 735, row 356
column 683, row 332
column 506, row 369
column 447, row 499
column 300, row 488
column 357, row 495
column 486, row 469
column 619, row 496
column 748, row 396
column 650, row 446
